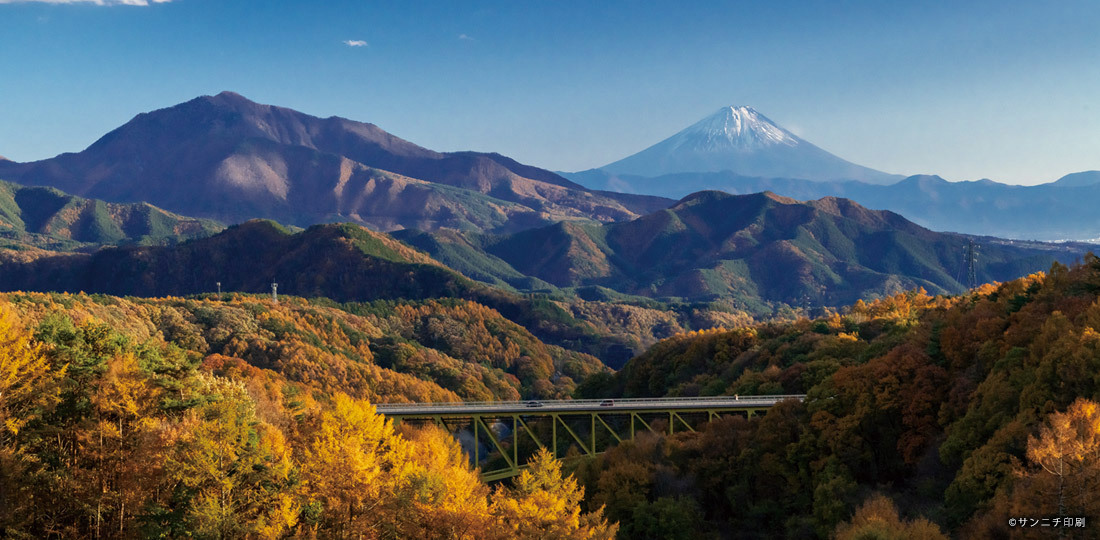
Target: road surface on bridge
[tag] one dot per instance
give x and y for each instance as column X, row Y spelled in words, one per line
column 605, row 406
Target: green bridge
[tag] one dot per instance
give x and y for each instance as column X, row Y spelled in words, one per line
column 589, row 425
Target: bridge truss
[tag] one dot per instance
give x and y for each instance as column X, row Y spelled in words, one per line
column 591, row 426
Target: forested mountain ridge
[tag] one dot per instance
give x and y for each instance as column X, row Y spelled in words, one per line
column 345, row 263
column 433, row 350
column 759, row 250
column 320, row 261
column 936, row 402
column 46, row 218
column 125, row 418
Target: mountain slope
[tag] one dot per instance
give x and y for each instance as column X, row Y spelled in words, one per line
column 757, row 249
column 228, row 158
column 342, row 263
column 320, row 261
column 741, row 140
column 1084, row 178
column 46, row 218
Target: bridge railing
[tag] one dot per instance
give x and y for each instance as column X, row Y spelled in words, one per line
column 580, row 403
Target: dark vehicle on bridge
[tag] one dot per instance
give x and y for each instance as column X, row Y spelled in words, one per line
column 607, row 403
column 534, row 404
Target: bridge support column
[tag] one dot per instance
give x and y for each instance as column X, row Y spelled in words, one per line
column 554, row 436
column 592, row 433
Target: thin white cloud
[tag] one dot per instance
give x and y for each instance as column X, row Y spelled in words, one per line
column 355, row 43
column 464, row 37
column 94, row 2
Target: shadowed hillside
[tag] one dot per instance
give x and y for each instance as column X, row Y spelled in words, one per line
column 345, row 263
column 757, row 249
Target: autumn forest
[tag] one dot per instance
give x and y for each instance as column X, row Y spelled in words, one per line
column 240, row 417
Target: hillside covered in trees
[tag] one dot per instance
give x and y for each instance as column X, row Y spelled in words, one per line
column 924, row 412
column 349, row 263
column 758, row 251
column 434, row 350
column 126, row 418
column 36, row 219
column 238, row 417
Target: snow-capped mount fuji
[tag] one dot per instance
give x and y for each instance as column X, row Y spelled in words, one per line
column 741, row 128
column 743, row 141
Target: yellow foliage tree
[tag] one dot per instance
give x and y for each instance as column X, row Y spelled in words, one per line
column 123, row 407
column 878, row 518
column 544, row 504
column 438, row 495
column 348, row 454
column 28, row 386
column 236, row 468
column 26, row 378
column 1065, row 476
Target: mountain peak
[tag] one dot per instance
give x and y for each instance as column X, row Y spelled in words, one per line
column 231, row 101
column 741, row 140
column 229, row 94
column 734, row 127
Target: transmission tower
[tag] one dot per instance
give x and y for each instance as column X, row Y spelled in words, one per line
column 971, row 264
column 275, row 292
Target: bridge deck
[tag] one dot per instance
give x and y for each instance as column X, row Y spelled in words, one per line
column 606, row 406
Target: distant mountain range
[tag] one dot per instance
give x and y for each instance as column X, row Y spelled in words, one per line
column 758, row 249
column 745, row 142
column 1060, row 210
column 486, row 216
column 227, row 158
column 740, row 151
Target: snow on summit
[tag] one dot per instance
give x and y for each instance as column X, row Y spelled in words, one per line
column 737, row 127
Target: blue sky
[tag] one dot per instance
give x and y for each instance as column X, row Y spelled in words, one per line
column 1003, row 90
